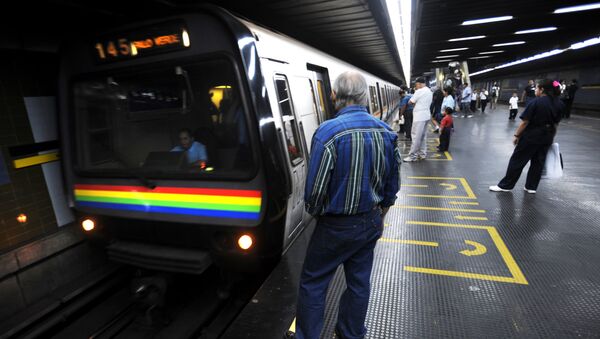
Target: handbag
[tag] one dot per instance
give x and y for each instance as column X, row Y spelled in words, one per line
column 553, row 167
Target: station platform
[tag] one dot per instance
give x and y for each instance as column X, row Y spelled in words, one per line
column 459, row 261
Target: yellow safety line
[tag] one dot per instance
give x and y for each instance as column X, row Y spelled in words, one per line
column 448, row 156
column 465, row 217
column 508, row 258
column 444, row 224
column 430, row 208
column 463, row 203
column 35, row 160
column 468, row 189
column 410, row 242
column 462, row 274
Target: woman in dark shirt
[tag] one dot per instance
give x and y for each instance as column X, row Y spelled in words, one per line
column 533, row 137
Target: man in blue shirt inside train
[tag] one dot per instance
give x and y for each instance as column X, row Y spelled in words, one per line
column 352, row 181
column 195, row 151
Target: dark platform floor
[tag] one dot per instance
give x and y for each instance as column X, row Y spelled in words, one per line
column 458, row 261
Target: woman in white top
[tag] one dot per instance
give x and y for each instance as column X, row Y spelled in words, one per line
column 483, row 94
column 448, row 99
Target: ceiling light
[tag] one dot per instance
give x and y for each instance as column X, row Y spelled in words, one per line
column 586, row 43
column 454, row 49
column 447, row 60
column 577, row 8
column 400, row 18
column 446, row 56
column 509, row 43
column 491, row 52
column 536, row 30
column 481, row 57
column 468, row 38
column 486, row 20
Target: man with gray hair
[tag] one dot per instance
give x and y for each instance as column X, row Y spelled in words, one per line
column 352, row 181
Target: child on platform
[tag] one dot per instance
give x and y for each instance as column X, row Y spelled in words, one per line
column 446, row 127
column 513, row 106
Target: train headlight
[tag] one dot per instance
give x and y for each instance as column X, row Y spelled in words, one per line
column 22, row 218
column 245, row 242
column 88, row 225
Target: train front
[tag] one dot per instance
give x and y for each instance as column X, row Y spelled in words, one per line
column 160, row 146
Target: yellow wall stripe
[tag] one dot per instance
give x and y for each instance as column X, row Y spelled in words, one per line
column 35, row 160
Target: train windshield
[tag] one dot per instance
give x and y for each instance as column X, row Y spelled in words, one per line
column 168, row 121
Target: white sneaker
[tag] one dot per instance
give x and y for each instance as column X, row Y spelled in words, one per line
column 409, row 159
column 496, row 188
column 529, row 191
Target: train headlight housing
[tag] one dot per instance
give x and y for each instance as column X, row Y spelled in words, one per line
column 245, row 242
column 88, row 225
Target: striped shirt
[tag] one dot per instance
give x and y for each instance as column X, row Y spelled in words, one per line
column 354, row 165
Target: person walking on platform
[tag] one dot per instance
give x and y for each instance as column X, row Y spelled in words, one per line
column 406, row 110
column 422, row 101
column 495, row 94
column 528, row 92
column 513, row 106
column 474, row 98
column 533, row 137
column 483, row 98
column 353, row 177
column 569, row 96
column 466, row 101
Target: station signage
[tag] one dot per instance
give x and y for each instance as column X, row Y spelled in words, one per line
column 160, row 38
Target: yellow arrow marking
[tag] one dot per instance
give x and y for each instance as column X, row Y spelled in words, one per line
column 449, row 187
column 411, row 242
column 479, row 249
column 414, row 185
column 464, row 217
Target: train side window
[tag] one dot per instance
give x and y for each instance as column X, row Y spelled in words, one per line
column 374, row 101
column 290, row 127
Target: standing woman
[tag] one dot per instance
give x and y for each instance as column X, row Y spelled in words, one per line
column 533, row 137
column 448, row 100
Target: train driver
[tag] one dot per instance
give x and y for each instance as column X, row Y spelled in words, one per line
column 195, row 151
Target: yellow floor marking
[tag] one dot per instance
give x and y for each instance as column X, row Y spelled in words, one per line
column 517, row 274
column 463, row 181
column 410, row 242
column 386, row 224
column 479, row 249
column 430, row 208
column 462, row 274
column 463, row 203
column 431, row 223
column 293, row 326
column 464, row 217
column 411, row 185
column 448, row 156
column 35, row 160
column 449, row 187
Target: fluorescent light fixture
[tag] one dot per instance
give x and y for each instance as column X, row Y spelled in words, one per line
column 481, row 57
column 454, row 49
column 491, row 52
column 482, row 71
column 399, row 14
column 446, row 56
column 536, row 30
column 487, row 20
column 447, row 60
column 509, row 43
column 589, row 42
column 577, row 8
column 468, row 38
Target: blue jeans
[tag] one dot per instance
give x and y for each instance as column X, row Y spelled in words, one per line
column 347, row 240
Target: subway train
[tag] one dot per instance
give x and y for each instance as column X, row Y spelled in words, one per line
column 243, row 100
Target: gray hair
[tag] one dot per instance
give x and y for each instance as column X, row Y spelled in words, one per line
column 350, row 89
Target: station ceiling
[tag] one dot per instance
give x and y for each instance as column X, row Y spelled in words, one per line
column 357, row 31
column 437, row 21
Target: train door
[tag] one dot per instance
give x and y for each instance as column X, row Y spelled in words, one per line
column 290, row 135
column 320, row 79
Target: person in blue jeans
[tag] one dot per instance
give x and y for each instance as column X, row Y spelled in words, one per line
column 352, row 180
